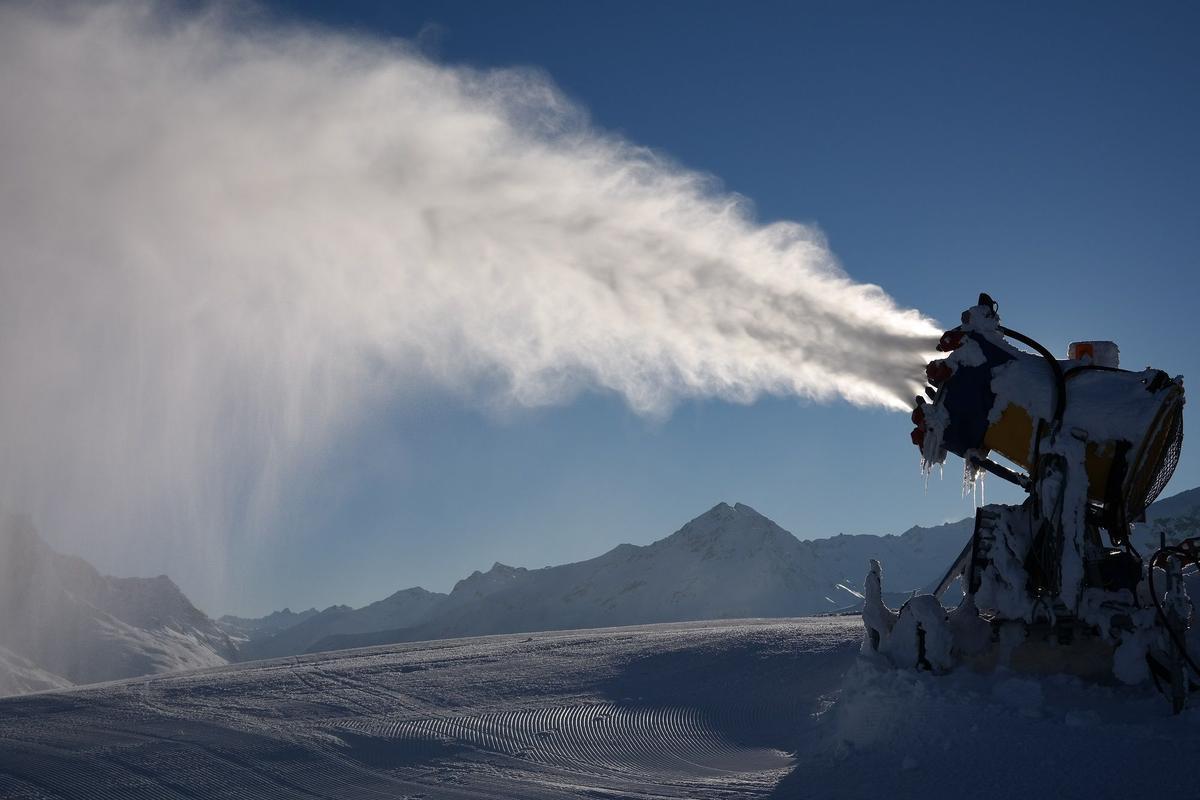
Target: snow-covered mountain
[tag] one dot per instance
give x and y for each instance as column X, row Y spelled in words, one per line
column 1178, row 515
column 403, row 609
column 479, row 585
column 62, row 622
column 730, row 562
column 19, row 675
column 286, row 633
column 243, row 629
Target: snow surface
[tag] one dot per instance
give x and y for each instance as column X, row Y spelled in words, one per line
column 751, row 709
column 76, row 625
column 63, row 622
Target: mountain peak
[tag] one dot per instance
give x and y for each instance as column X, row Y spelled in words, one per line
column 407, row 594
column 723, row 510
column 478, row 584
column 733, row 518
column 725, row 531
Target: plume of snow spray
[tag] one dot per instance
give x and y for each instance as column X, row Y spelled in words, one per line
column 220, row 244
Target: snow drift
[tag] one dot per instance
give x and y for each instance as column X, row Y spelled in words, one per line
column 708, row 711
column 224, row 240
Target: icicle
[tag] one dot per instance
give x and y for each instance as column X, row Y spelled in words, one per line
column 973, row 478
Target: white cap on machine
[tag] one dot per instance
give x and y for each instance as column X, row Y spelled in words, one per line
column 1098, row 354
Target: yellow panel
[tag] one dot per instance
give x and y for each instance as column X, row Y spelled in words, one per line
column 1012, row 436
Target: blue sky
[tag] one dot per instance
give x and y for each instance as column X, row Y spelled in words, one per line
column 1044, row 153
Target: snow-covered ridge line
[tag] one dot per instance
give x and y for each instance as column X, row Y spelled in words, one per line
column 728, row 563
column 61, row 622
column 64, row 623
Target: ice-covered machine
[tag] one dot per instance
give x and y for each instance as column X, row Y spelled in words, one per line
column 1054, row 584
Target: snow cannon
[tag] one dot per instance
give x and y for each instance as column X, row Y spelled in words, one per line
column 1054, row 584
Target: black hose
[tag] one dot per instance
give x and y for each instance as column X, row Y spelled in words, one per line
column 1162, row 615
column 1132, row 551
column 1060, row 381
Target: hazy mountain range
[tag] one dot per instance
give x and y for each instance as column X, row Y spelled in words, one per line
column 730, row 562
column 63, row 623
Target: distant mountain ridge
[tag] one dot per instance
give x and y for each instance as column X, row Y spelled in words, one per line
column 62, row 622
column 730, row 562
column 401, row 609
column 242, row 628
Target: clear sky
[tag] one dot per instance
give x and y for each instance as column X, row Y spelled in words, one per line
column 1044, row 153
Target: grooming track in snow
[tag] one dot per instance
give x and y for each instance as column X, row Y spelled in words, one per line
column 634, row 712
column 720, row 710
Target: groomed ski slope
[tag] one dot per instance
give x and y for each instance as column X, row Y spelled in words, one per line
column 770, row 709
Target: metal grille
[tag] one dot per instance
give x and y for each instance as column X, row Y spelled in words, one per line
column 1170, row 459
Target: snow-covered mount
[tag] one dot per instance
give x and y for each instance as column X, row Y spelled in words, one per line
column 402, row 609
column 479, row 585
column 285, row 632
column 19, row 675
column 1178, row 515
column 243, row 629
column 279, row 634
column 62, row 622
column 730, row 562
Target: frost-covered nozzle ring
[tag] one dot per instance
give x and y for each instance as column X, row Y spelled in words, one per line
column 980, row 322
column 988, row 396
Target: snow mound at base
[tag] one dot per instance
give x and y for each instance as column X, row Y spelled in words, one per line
column 996, row 735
